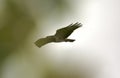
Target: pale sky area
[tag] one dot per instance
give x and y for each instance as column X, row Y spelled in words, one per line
column 97, row 42
column 96, row 49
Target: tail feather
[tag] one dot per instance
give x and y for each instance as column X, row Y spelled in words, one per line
column 43, row 41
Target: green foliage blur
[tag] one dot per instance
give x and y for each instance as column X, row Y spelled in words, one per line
column 17, row 23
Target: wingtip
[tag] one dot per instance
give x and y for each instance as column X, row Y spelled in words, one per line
column 78, row 24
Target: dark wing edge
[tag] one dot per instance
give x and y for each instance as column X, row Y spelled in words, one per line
column 66, row 31
column 75, row 25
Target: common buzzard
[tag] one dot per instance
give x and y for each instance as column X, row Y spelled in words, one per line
column 61, row 35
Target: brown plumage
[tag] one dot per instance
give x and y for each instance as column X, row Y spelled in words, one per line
column 61, row 35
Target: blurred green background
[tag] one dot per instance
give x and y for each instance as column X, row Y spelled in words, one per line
column 22, row 22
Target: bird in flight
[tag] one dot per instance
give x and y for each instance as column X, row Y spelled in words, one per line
column 61, row 35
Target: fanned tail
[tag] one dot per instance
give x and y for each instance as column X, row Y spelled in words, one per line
column 42, row 41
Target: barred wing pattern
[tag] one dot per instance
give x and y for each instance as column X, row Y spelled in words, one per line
column 60, row 35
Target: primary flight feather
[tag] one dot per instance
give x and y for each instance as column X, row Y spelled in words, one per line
column 61, row 35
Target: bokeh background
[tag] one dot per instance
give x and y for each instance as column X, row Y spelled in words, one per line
column 94, row 54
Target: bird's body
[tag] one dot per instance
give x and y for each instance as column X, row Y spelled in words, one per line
column 61, row 35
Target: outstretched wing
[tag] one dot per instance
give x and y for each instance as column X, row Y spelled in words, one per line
column 63, row 33
column 60, row 36
column 42, row 41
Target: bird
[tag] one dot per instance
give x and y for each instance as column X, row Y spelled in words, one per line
column 61, row 35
